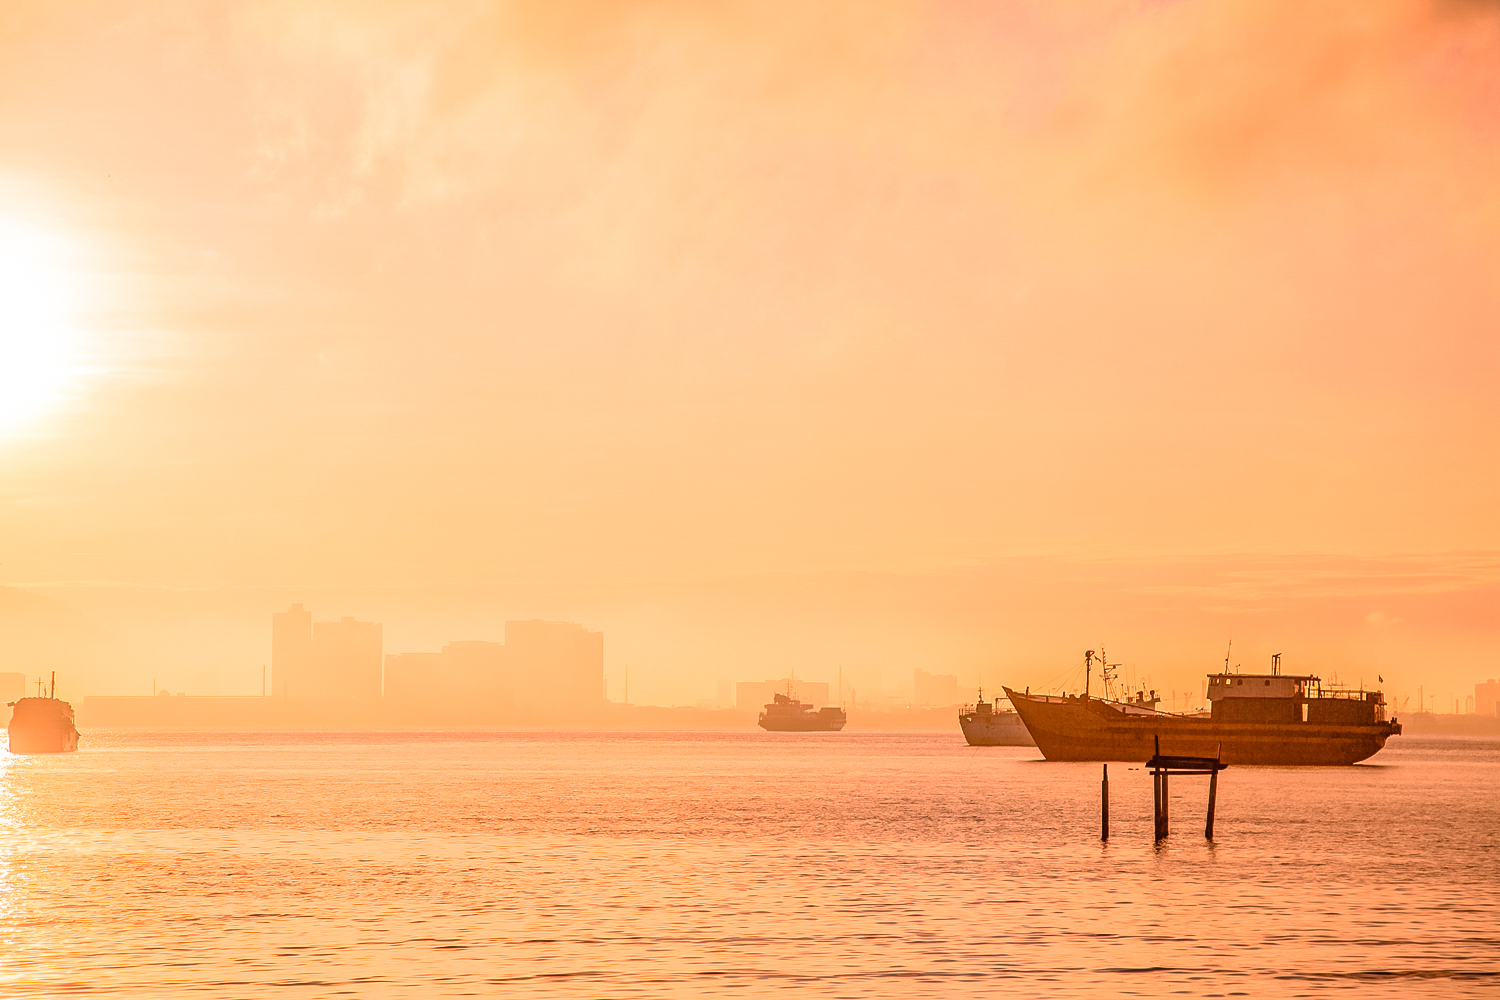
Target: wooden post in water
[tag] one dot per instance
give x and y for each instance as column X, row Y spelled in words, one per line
column 1213, row 790
column 1213, row 793
column 1156, row 794
column 1166, row 806
column 1104, row 805
column 1162, row 768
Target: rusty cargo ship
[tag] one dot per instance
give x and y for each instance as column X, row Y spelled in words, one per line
column 1269, row 719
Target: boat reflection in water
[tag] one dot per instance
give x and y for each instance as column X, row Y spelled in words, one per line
column 43, row 724
column 1275, row 718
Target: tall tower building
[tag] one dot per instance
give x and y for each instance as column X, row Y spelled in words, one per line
column 291, row 650
column 339, row 659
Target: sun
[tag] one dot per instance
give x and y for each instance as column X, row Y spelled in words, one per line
column 39, row 342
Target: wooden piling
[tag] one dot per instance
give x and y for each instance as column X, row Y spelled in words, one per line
column 1156, row 793
column 1104, row 805
column 1166, row 806
column 1156, row 802
column 1213, row 791
column 1162, row 768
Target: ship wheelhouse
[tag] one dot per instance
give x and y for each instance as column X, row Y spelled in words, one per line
column 1291, row 698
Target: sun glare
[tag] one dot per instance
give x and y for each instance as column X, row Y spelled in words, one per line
column 39, row 343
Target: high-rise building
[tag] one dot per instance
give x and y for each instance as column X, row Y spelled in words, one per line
column 339, row 659
column 291, row 650
column 1487, row 698
column 933, row 690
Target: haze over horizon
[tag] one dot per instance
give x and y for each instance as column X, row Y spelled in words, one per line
column 761, row 337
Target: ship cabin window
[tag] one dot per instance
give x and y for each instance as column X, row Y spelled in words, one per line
column 1268, row 683
column 1304, row 711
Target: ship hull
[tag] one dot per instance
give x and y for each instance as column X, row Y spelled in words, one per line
column 1005, row 730
column 808, row 725
column 1089, row 729
column 42, row 725
column 43, row 741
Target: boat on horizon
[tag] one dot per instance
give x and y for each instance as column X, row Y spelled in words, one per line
column 1269, row 719
column 785, row 714
column 43, row 724
column 986, row 724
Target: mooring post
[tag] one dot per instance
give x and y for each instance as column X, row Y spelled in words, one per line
column 1156, row 801
column 1156, row 783
column 1104, row 805
column 1166, row 805
column 1213, row 790
column 1213, row 793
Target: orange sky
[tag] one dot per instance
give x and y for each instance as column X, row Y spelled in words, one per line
column 667, row 313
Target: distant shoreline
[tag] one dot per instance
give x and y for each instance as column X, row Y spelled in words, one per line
column 249, row 713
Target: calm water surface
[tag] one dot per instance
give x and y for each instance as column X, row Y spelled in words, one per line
column 746, row 864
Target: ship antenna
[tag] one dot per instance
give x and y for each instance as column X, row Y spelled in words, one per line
column 1088, row 663
column 53, row 694
column 1226, row 654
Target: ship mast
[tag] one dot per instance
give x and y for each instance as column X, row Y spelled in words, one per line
column 1111, row 674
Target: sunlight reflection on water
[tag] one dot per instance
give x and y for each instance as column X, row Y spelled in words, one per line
column 860, row 864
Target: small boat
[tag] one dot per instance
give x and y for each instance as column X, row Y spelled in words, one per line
column 43, row 724
column 988, row 725
column 785, row 714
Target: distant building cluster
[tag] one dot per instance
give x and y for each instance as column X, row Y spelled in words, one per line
column 1487, row 698
column 933, row 690
column 326, row 659
column 542, row 668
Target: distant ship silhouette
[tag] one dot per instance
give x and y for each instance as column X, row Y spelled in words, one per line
column 785, row 714
column 42, row 724
column 988, row 725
